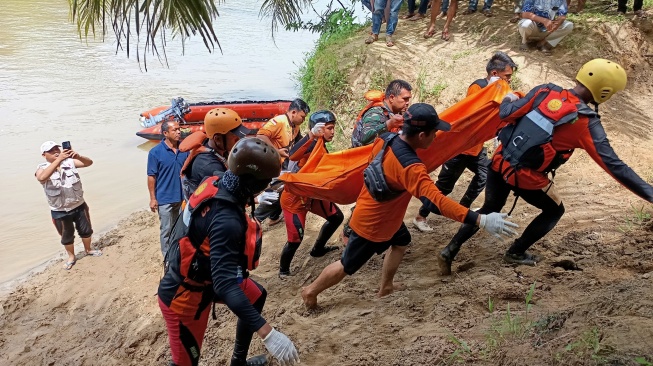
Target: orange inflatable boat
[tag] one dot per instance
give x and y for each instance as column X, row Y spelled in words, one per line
column 191, row 115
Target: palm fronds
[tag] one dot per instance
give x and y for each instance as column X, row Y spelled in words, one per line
column 283, row 12
column 150, row 19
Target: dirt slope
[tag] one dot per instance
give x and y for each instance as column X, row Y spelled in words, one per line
column 592, row 302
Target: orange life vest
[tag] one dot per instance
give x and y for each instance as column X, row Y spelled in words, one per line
column 193, row 260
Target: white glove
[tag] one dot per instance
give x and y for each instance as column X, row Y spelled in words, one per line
column 496, row 225
column 186, row 215
column 318, row 129
column 267, row 198
column 493, row 79
column 281, row 348
column 511, row 96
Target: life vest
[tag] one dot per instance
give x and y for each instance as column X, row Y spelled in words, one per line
column 192, row 260
column 375, row 98
column 528, row 142
column 195, row 145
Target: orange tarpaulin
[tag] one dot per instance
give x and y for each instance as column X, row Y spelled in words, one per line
column 338, row 177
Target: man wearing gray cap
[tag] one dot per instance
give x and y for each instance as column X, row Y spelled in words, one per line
column 63, row 189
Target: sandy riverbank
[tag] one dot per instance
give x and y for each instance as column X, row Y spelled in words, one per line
column 591, row 297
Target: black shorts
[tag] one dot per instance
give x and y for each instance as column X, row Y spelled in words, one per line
column 66, row 222
column 359, row 250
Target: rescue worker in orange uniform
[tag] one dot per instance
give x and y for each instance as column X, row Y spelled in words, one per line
column 475, row 159
column 322, row 127
column 377, row 223
column 543, row 130
column 281, row 132
column 210, row 258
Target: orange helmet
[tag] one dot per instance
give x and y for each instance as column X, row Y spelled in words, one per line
column 223, row 120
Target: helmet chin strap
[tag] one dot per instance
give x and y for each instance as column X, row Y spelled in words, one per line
column 596, row 106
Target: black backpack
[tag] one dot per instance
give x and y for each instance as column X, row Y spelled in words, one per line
column 375, row 179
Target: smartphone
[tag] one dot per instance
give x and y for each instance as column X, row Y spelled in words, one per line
column 65, row 145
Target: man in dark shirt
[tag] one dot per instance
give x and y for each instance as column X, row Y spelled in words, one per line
column 223, row 128
column 220, row 229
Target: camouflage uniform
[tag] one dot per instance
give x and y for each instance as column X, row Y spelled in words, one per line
column 371, row 125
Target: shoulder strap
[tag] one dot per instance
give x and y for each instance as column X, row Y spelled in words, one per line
column 204, row 192
column 387, row 138
column 481, row 82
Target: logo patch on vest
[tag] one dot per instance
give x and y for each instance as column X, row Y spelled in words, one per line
column 200, row 189
column 554, row 105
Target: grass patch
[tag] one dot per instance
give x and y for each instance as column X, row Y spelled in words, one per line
column 463, row 54
column 380, row 79
column 636, row 220
column 322, row 78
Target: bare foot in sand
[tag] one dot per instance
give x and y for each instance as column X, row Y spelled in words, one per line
column 385, row 291
column 310, row 301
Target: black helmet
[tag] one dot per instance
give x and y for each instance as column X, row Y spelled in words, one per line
column 253, row 157
column 321, row 116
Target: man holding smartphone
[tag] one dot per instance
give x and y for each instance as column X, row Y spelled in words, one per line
column 63, row 189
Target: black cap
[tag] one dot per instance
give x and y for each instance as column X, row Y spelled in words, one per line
column 241, row 131
column 424, row 116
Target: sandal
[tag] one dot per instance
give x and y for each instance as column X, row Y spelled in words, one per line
column 408, row 16
column 487, row 13
column 469, row 11
column 68, row 265
column 445, row 36
column 641, row 14
column 429, row 33
column 415, row 17
column 388, row 41
column 372, row 38
column 515, row 18
column 94, row 253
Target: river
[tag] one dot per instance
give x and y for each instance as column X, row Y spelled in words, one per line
column 55, row 86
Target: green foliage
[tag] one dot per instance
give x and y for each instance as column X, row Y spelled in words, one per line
column 490, row 305
column 529, row 298
column 588, row 345
column 638, row 218
column 461, row 349
column 510, row 326
column 321, row 79
column 516, row 82
column 643, row 361
column 380, row 79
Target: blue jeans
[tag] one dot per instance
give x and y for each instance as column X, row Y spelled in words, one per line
column 445, row 6
column 423, row 4
column 379, row 6
column 473, row 4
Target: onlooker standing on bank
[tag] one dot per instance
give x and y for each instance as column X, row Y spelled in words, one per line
column 63, row 189
column 164, row 164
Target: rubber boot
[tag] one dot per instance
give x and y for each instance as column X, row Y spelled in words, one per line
column 446, row 256
column 287, row 255
column 260, row 360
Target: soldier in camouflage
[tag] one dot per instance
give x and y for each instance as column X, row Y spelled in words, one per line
column 387, row 116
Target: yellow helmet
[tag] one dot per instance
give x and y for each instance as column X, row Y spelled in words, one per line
column 603, row 78
column 223, row 120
